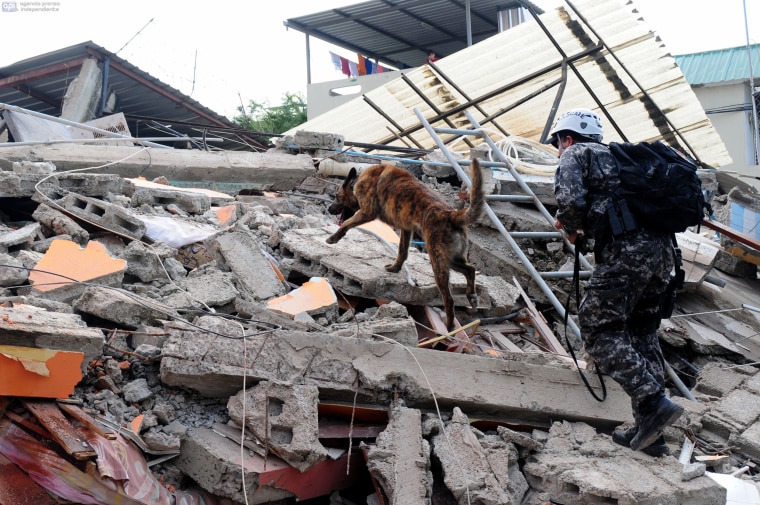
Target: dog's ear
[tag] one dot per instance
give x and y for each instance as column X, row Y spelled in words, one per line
column 350, row 178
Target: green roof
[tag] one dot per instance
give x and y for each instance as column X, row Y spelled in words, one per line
column 720, row 65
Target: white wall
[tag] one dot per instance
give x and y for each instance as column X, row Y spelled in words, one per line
column 733, row 127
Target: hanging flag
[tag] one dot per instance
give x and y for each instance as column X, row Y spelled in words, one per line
column 362, row 66
column 353, row 68
column 380, row 69
column 370, row 67
column 344, row 67
column 336, row 61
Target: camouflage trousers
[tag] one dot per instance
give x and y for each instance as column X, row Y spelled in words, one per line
column 620, row 312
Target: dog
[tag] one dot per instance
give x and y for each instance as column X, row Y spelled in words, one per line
column 402, row 201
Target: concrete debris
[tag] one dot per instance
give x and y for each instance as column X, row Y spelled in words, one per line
column 284, row 418
column 229, row 347
column 400, row 459
column 579, row 466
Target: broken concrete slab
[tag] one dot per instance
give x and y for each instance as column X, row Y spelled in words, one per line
column 467, row 472
column 194, row 203
column 215, row 197
column 347, row 369
column 356, row 266
column 240, row 251
column 12, row 271
column 216, row 464
column 127, row 309
column 283, row 417
column 145, row 261
column 23, row 183
column 718, row 380
column 206, row 285
column 18, row 238
column 59, row 223
column 400, row 459
column 579, row 466
column 28, row 326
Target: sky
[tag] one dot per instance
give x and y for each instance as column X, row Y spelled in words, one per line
column 228, row 52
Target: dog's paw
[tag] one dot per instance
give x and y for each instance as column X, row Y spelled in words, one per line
column 332, row 239
column 393, row 268
column 473, row 303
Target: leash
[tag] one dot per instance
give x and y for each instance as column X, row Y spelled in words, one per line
column 580, row 243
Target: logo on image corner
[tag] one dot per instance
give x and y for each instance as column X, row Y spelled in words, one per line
column 9, row 7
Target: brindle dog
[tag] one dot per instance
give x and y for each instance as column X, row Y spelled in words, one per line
column 399, row 199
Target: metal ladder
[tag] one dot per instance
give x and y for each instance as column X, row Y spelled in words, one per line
column 528, row 196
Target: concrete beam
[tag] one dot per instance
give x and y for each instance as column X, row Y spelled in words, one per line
column 525, row 388
column 274, row 171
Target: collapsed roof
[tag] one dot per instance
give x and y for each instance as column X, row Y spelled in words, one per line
column 151, row 107
column 589, row 53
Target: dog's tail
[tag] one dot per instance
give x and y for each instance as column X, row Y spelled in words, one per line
column 468, row 216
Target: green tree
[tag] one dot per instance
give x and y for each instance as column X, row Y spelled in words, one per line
column 263, row 117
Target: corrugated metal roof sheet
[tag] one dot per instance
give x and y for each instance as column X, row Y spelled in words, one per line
column 514, row 76
column 40, row 83
column 399, row 33
column 721, row 65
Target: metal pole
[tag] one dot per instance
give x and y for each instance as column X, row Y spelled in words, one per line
column 105, row 133
column 500, row 227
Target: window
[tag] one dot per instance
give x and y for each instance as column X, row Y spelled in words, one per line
column 511, row 15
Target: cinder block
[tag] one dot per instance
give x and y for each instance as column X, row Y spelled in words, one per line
column 194, row 203
column 103, row 214
column 312, row 140
column 285, row 415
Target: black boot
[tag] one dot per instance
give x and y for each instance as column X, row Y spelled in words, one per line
column 657, row 412
column 656, row 449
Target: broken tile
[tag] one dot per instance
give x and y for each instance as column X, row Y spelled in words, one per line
column 65, row 264
column 39, row 373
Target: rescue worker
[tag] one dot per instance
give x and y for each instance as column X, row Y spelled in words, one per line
column 621, row 307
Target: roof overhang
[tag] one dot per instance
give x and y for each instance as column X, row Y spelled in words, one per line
column 399, row 33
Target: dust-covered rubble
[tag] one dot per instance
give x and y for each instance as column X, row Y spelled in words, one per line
column 170, row 308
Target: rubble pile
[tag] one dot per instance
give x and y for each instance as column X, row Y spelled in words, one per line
column 168, row 345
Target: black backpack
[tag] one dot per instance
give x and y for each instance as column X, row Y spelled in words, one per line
column 659, row 189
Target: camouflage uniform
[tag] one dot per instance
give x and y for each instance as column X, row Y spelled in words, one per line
column 620, row 311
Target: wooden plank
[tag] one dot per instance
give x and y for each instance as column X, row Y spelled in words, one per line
column 539, row 323
column 83, row 417
column 460, row 342
column 51, row 417
column 502, row 341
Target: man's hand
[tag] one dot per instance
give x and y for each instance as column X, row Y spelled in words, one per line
column 570, row 236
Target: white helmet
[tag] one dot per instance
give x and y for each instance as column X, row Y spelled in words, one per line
column 584, row 122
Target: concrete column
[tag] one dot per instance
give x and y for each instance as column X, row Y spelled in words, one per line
column 83, row 94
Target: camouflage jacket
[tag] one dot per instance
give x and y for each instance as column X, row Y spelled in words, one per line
column 586, row 175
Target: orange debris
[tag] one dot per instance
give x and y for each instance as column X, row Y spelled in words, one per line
column 38, row 373
column 312, row 295
column 70, row 261
column 225, row 214
column 383, row 230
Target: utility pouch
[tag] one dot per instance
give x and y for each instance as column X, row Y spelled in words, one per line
column 620, row 217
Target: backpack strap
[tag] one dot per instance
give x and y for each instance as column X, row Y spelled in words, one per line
column 668, row 302
column 580, row 244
